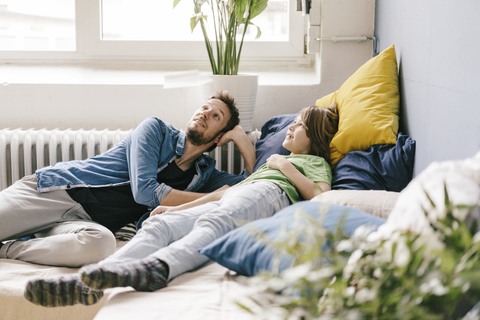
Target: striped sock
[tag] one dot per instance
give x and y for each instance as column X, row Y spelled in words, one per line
column 60, row 292
column 148, row 274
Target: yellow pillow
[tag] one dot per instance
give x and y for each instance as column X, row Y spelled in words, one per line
column 368, row 104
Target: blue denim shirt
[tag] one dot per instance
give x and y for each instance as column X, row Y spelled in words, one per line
column 136, row 160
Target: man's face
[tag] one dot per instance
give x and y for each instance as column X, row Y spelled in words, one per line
column 207, row 122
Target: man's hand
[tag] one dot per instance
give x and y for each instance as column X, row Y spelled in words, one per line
column 244, row 144
column 162, row 209
column 231, row 135
column 225, row 187
column 208, row 197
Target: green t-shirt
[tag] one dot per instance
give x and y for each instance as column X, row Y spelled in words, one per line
column 313, row 167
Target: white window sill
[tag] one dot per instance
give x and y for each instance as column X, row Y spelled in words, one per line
column 137, row 74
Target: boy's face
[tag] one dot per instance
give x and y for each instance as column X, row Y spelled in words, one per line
column 297, row 141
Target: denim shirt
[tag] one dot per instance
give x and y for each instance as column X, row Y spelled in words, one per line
column 136, row 160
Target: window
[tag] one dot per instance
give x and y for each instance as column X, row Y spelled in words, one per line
column 37, row 25
column 133, row 30
column 143, row 20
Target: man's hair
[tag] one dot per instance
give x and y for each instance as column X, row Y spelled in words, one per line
column 226, row 98
column 321, row 124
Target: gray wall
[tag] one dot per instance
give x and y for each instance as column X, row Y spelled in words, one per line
column 438, row 51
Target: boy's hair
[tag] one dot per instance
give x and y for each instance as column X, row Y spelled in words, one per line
column 226, row 98
column 321, row 124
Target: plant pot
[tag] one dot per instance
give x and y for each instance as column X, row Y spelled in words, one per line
column 242, row 87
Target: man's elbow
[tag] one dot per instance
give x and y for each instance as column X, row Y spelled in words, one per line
column 146, row 197
column 140, row 199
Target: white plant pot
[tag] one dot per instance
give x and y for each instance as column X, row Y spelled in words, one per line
column 242, row 87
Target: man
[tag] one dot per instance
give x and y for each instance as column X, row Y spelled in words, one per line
column 74, row 207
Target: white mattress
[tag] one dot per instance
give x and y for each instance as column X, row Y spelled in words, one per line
column 14, row 275
column 207, row 293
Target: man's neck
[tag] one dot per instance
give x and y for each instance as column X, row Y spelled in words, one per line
column 190, row 154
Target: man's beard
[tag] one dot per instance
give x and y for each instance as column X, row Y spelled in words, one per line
column 198, row 138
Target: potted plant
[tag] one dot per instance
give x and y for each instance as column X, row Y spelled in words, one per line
column 224, row 43
column 226, row 17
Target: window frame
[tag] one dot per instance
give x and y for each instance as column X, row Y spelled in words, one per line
column 90, row 46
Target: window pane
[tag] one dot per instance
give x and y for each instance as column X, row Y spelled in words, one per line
column 157, row 20
column 37, row 25
column 273, row 22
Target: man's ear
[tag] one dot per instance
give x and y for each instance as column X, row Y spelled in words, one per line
column 217, row 139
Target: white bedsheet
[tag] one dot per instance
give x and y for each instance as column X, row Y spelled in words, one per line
column 14, row 275
column 207, row 294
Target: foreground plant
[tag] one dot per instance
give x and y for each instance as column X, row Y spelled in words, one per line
column 431, row 275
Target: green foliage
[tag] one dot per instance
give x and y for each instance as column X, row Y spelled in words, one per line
column 431, row 275
column 226, row 16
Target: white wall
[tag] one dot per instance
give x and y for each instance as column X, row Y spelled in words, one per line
column 438, row 46
column 99, row 97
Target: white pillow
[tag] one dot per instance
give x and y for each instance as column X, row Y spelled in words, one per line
column 462, row 180
column 375, row 202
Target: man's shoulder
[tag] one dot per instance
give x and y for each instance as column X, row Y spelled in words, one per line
column 154, row 122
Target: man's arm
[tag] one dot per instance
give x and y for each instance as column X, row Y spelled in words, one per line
column 143, row 148
column 177, row 197
column 205, row 198
column 245, row 146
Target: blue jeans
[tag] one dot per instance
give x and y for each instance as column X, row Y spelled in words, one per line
column 176, row 237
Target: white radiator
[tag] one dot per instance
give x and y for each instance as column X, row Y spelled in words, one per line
column 24, row 151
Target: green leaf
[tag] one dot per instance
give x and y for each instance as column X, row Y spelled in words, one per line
column 240, row 8
column 473, row 277
column 245, row 308
column 259, row 32
column 258, row 8
column 175, row 2
column 195, row 19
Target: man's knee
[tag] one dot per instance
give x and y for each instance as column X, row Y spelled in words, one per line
column 97, row 243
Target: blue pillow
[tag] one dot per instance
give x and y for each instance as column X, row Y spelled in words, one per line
column 239, row 251
column 381, row 167
column 273, row 134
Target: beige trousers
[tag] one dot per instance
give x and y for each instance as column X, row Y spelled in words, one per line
column 64, row 233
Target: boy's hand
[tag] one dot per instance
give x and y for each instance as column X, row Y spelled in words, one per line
column 276, row 161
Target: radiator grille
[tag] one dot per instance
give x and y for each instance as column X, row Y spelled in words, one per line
column 24, row 151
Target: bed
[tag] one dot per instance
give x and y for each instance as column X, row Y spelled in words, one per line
column 373, row 163
column 210, row 292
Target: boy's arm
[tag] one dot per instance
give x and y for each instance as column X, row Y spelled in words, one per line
column 306, row 187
